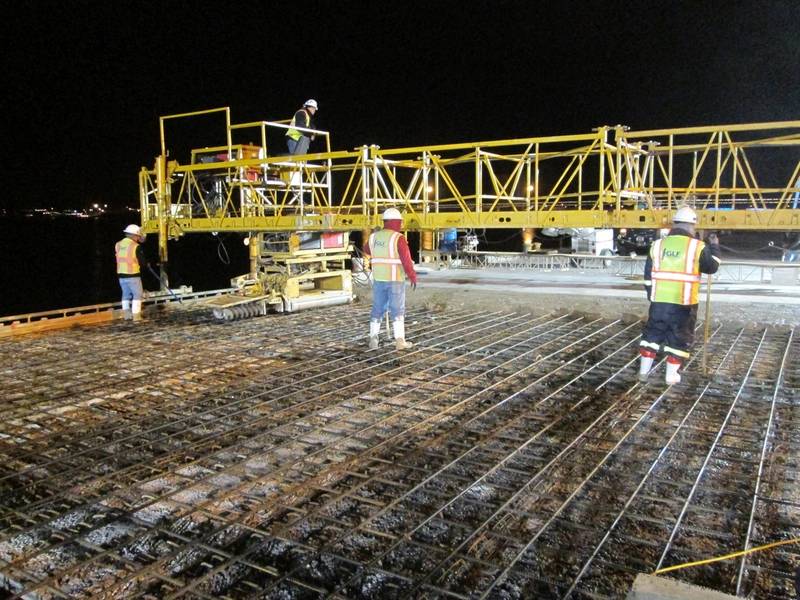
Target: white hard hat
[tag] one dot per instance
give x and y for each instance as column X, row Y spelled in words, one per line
column 134, row 229
column 312, row 103
column 392, row 214
column 685, row 215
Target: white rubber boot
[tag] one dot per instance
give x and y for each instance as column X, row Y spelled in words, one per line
column 644, row 367
column 374, row 330
column 672, row 376
column 126, row 310
column 400, row 342
column 136, row 310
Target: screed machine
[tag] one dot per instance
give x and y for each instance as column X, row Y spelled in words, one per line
column 296, row 212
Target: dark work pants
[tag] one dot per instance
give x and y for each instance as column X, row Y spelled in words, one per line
column 298, row 147
column 670, row 327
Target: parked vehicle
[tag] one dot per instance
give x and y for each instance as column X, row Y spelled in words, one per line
column 637, row 241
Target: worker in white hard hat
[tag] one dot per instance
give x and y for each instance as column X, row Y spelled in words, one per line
column 298, row 141
column 130, row 258
column 391, row 266
column 672, row 280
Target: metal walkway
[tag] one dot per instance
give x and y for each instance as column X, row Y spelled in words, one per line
column 505, row 456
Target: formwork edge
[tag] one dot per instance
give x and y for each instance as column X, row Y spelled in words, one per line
column 652, row 587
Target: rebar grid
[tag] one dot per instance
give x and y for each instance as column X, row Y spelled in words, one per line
column 505, row 456
column 231, row 408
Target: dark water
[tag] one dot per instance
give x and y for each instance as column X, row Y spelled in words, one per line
column 59, row 262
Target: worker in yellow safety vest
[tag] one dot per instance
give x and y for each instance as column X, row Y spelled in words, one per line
column 391, row 266
column 130, row 258
column 298, row 141
column 672, row 279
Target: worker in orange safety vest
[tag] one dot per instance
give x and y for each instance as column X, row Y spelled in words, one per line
column 391, row 266
column 130, row 258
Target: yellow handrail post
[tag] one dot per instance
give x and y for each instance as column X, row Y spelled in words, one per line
column 163, row 210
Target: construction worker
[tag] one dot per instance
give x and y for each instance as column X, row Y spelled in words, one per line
column 672, row 279
column 299, row 141
column 391, row 265
column 130, row 257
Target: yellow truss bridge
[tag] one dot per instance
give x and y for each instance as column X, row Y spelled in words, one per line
column 736, row 177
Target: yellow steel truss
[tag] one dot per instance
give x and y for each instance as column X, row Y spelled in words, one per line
column 735, row 176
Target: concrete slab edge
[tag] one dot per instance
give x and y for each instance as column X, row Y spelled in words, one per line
column 652, row 587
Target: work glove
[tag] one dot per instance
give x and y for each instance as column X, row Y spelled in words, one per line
column 713, row 239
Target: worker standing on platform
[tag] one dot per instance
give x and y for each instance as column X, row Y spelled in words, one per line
column 299, row 141
column 391, row 265
column 672, row 279
column 130, row 257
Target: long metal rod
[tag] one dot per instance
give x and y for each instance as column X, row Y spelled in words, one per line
column 707, row 324
column 710, row 453
column 504, row 574
column 762, row 457
column 653, row 465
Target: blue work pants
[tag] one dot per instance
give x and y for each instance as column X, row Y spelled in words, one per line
column 388, row 295
column 131, row 288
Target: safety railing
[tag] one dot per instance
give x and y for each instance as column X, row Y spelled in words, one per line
column 741, row 271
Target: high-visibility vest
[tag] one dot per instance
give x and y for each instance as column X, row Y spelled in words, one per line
column 386, row 263
column 675, row 274
column 127, row 263
column 293, row 133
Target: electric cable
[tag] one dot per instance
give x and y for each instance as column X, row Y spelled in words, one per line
column 706, row 561
column 363, row 278
column 163, row 284
column 222, row 249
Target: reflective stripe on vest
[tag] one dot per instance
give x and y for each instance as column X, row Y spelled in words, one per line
column 127, row 263
column 293, row 133
column 675, row 272
column 386, row 263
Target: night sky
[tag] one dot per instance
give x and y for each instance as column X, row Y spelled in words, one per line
column 86, row 82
